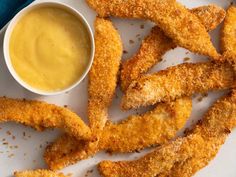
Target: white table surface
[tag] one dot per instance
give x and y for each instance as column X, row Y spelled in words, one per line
column 29, row 154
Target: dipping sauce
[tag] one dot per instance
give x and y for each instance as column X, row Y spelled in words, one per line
column 50, row 48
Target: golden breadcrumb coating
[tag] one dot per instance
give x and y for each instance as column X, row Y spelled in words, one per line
column 210, row 16
column 174, row 19
column 39, row 173
column 102, row 77
column 183, row 156
column 41, row 115
column 103, row 74
column 134, row 133
column 174, row 82
column 228, row 36
column 156, row 44
column 154, row 127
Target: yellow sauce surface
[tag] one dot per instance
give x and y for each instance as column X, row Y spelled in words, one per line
column 49, row 48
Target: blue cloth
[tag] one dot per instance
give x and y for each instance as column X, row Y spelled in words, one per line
column 8, row 8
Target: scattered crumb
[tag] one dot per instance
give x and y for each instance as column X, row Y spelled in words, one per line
column 65, row 106
column 142, row 26
column 88, row 173
column 11, row 155
column 204, row 95
column 109, row 152
column 186, row 131
column 138, row 35
column 69, row 174
column 131, row 41
column 200, row 99
column 13, row 137
column 131, row 24
column 186, row 59
column 139, row 39
column 8, row 132
column 125, row 51
column 186, row 53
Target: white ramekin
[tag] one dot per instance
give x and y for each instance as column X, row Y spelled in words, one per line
column 7, row 40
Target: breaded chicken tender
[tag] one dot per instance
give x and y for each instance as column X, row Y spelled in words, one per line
column 228, row 36
column 178, row 81
column 174, row 19
column 103, row 77
column 156, row 44
column 184, row 156
column 152, row 128
column 41, row 115
column 103, row 74
column 39, row 173
column 134, row 133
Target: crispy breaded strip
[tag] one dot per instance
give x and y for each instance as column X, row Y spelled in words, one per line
column 39, row 173
column 41, row 115
column 228, row 35
column 185, row 155
column 103, row 74
column 174, row 19
column 174, row 82
column 156, row 44
column 135, row 133
column 154, row 127
column 102, row 77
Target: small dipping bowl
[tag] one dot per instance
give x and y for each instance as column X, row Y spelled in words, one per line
column 6, row 46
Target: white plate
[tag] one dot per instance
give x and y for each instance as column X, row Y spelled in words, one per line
column 29, row 153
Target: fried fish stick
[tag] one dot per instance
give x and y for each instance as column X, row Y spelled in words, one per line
column 228, row 36
column 174, row 82
column 134, row 133
column 174, row 19
column 39, row 173
column 185, row 155
column 41, row 115
column 156, row 44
